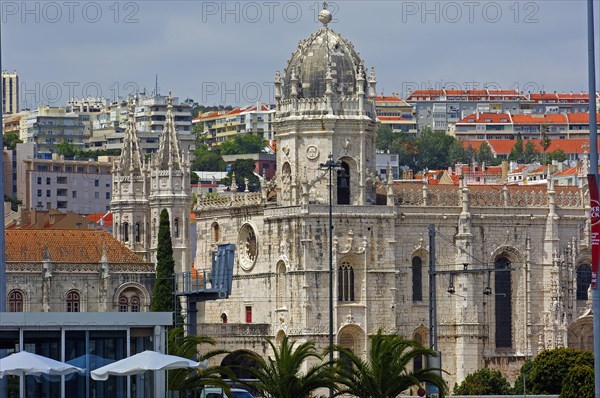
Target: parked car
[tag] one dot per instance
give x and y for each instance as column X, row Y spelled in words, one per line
column 217, row 392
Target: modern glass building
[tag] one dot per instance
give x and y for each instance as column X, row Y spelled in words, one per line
column 88, row 340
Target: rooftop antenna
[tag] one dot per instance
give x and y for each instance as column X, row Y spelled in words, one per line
column 156, row 85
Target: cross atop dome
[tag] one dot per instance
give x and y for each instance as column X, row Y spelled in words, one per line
column 325, row 15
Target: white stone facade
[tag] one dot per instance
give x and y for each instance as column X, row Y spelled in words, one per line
column 381, row 243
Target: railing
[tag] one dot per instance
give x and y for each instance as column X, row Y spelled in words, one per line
column 193, row 281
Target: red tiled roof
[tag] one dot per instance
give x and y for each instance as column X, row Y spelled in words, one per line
column 82, row 246
column 484, row 117
column 582, row 118
column 550, row 118
column 104, row 219
column 387, row 98
column 504, row 147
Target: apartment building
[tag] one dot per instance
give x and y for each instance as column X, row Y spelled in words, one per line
column 150, row 115
column 218, row 126
column 396, row 113
column 79, row 186
column 10, row 93
column 48, row 126
column 498, row 126
column 438, row 109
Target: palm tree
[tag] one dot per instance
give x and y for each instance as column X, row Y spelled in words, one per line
column 281, row 377
column 385, row 373
column 188, row 347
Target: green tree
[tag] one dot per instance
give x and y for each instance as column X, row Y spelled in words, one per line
column 530, row 153
column 11, row 139
column 385, row 137
column 281, row 376
column 206, row 159
column 457, row 153
column 243, row 144
column 14, row 202
column 550, row 368
column 485, row 155
column 406, row 147
column 559, row 155
column 163, row 298
column 66, row 149
column 483, row 382
column 545, row 141
column 385, row 373
column 188, row 346
column 243, row 169
column 433, row 150
column 516, row 154
column 579, row 383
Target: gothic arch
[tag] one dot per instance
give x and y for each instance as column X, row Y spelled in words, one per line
column 131, row 289
column 73, row 301
column 281, row 284
column 581, row 333
column 16, row 300
column 215, row 232
column 237, row 360
column 279, row 337
column 503, row 299
column 349, row 280
column 352, row 337
column 419, row 267
column 420, row 336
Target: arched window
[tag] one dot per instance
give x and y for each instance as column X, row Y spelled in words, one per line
column 503, row 294
column 216, row 232
column 73, row 301
column 224, row 318
column 125, row 232
column 418, row 361
column 15, row 301
column 281, row 286
column 417, row 279
column 137, row 232
column 584, row 278
column 176, row 229
column 346, row 282
column 123, row 304
column 343, row 185
column 135, row 304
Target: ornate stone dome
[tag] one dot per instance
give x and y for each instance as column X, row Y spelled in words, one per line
column 308, row 65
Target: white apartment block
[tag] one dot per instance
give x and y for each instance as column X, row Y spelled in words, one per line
column 219, row 126
column 83, row 187
column 48, row 126
column 10, row 93
column 150, row 114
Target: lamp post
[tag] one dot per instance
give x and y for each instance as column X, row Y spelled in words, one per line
column 331, row 165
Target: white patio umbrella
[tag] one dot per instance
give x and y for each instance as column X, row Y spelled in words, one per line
column 147, row 360
column 25, row 363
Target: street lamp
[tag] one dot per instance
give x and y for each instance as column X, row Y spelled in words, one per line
column 331, row 165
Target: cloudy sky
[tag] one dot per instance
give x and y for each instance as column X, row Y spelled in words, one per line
column 227, row 52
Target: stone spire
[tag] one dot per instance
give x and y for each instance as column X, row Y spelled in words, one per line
column 168, row 151
column 130, row 161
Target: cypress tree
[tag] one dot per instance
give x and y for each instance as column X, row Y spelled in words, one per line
column 164, row 286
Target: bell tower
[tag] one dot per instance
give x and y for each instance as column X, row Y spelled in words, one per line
column 129, row 202
column 170, row 189
column 325, row 107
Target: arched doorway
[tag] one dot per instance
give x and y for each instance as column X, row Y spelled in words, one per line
column 343, row 184
column 581, row 333
column 237, row 361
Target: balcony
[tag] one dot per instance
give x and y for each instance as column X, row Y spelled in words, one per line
column 234, row 329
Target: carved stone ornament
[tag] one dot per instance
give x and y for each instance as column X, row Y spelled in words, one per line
column 248, row 247
column 312, row 152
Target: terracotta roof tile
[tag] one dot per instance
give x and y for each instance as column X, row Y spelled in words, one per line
column 66, row 246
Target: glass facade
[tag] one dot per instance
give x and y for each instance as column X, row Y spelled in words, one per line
column 89, row 347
